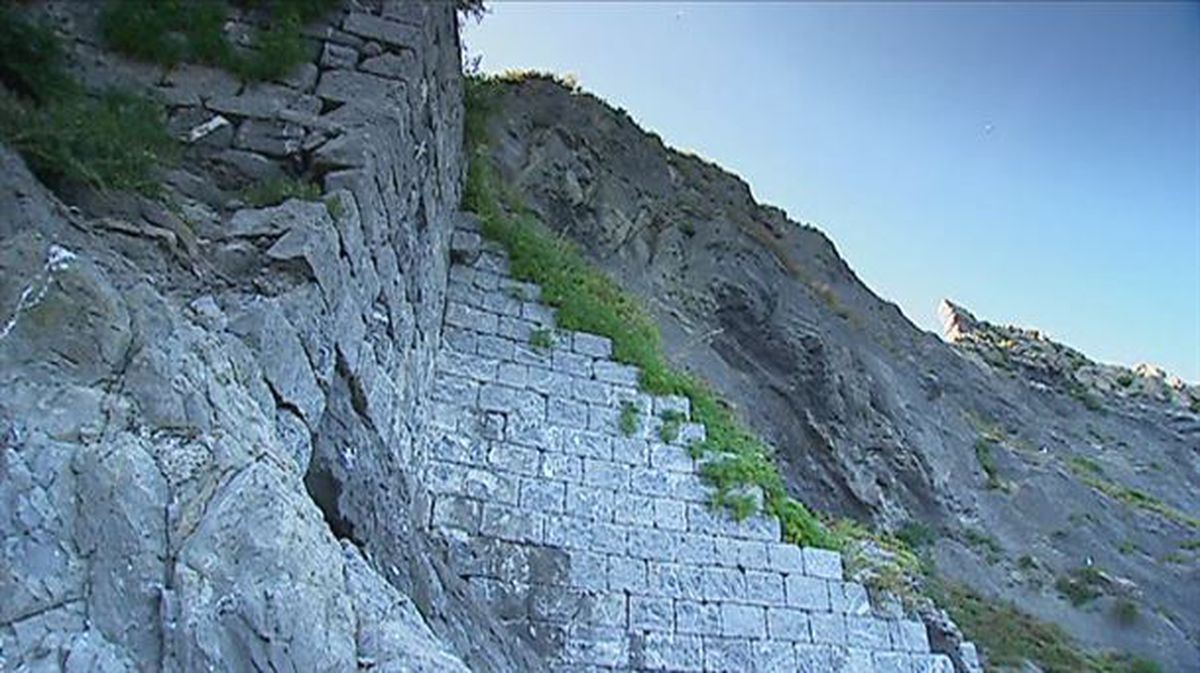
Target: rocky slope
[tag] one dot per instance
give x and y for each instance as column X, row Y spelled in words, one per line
column 1032, row 484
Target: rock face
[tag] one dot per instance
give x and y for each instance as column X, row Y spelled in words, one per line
column 1045, row 362
column 212, row 417
column 597, row 545
column 1021, row 481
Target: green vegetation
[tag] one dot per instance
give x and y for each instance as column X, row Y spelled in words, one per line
column 1128, row 547
column 984, row 447
column 335, row 207
column 1126, row 611
column 916, row 535
column 1191, row 545
column 629, row 418
column 541, row 339
column 1081, row 585
column 589, row 301
column 1085, row 396
column 672, row 421
column 1010, row 637
column 111, row 141
column 170, row 32
column 984, row 543
column 1125, row 380
column 275, row 191
column 1092, row 474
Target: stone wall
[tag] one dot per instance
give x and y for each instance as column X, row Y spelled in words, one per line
column 212, row 415
column 598, row 546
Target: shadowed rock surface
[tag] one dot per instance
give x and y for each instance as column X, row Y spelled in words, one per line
column 1024, row 480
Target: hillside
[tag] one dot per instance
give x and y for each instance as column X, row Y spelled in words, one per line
column 1026, row 481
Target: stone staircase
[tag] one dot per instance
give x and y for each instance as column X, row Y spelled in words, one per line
column 599, row 547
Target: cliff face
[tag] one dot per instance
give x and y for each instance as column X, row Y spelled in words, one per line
column 211, row 415
column 1024, row 482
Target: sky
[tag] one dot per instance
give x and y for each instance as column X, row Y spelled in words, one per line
column 1037, row 163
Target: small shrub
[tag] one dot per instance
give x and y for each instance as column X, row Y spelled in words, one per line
column 1125, row 380
column 1027, row 562
column 542, row 339
column 916, row 535
column 672, row 421
column 31, row 59
column 1127, row 547
column 1081, row 585
column 629, row 418
column 984, row 453
column 112, row 142
column 1126, row 611
column 335, row 207
column 985, row 543
column 275, row 191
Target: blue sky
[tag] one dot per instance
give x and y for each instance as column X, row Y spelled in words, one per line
column 1037, row 163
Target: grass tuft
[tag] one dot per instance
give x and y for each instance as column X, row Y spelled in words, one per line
column 277, row 190
column 169, row 32
column 629, row 418
column 542, row 339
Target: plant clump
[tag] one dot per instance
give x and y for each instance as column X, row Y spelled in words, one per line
column 111, row 140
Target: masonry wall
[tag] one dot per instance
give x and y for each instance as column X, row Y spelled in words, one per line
column 599, row 547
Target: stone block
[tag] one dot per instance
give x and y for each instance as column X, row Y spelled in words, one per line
column 571, row 363
column 675, row 580
column 814, row 659
column 868, row 632
column 587, row 502
column 402, row 66
column 511, row 524
column 469, row 317
column 788, row 624
column 724, row 584
column 586, row 444
column 516, row 329
column 765, row 588
column 892, row 662
column 497, row 397
column 911, row 636
column 511, row 374
column 637, row 510
column 651, row 613
column 502, row 304
column 541, row 315
column 567, row 412
column 850, row 598
column 555, row 604
column 486, row 280
column 592, row 392
column 698, row 618
column 461, row 340
column 668, row 457
column 588, row 570
column 531, row 432
column 515, row 459
column 338, row 56
column 822, row 563
column 785, row 557
column 630, row 450
column 457, row 513
column 456, row 390
column 727, row 655
column 670, row 514
column 388, row 32
column 468, row 366
column 828, row 628
column 626, row 574
column 932, row 663
column 273, row 138
column 549, row 382
column 651, row 544
column 616, row 373
column 657, row 651
column 591, row 345
column 543, row 495
column 667, row 404
column 749, row 621
column 697, row 549
column 809, row 593
column 773, row 656
column 574, row 533
column 605, row 419
column 608, row 609
column 605, row 474
column 597, row 646
column 494, row 346
column 455, row 479
column 750, row 554
column 561, row 467
column 359, row 88
column 494, row 263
